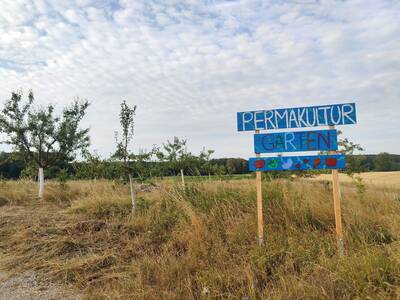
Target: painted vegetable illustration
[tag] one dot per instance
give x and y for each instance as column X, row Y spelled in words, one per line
column 286, row 165
column 259, row 163
column 331, row 162
column 273, row 163
column 317, row 161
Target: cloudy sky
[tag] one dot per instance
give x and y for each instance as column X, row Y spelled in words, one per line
column 190, row 65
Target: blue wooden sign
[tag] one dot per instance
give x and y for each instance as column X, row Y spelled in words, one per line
column 293, row 163
column 298, row 117
column 313, row 140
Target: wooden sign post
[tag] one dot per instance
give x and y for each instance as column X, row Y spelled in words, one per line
column 260, row 221
column 298, row 141
column 337, row 209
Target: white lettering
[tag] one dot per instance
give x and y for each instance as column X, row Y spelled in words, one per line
column 337, row 122
column 313, row 110
column 281, row 117
column 300, row 115
column 347, row 113
column 325, row 115
column 289, row 141
column 245, row 121
column 268, row 116
column 292, row 118
column 259, row 120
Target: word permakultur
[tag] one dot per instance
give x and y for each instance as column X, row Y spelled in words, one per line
column 336, row 114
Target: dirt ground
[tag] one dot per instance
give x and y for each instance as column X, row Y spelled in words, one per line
column 27, row 287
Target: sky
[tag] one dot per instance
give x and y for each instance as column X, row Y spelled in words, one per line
column 190, row 66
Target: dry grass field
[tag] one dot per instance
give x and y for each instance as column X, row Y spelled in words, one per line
column 200, row 242
column 379, row 179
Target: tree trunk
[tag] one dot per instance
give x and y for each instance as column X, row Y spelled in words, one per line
column 132, row 192
column 41, row 183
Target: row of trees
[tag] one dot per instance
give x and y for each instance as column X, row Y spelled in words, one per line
column 47, row 144
column 92, row 166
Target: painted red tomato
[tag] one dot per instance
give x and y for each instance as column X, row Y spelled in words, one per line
column 260, row 163
column 331, row 162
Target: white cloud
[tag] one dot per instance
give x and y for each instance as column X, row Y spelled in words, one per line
column 190, row 67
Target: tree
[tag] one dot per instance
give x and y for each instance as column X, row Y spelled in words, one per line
column 353, row 162
column 173, row 152
column 143, row 168
column 205, row 157
column 383, row 162
column 127, row 123
column 231, row 166
column 11, row 165
column 90, row 168
column 41, row 137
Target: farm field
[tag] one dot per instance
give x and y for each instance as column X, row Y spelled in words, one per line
column 380, row 179
column 199, row 242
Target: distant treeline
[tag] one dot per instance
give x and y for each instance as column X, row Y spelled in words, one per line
column 14, row 167
column 380, row 162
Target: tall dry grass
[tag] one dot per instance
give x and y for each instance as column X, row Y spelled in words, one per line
column 200, row 242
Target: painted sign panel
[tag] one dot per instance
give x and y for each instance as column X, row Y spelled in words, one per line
column 293, row 163
column 313, row 140
column 298, row 117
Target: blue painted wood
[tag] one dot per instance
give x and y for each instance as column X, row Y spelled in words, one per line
column 298, row 117
column 313, row 140
column 294, row 163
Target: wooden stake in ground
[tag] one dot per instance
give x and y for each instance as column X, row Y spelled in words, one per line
column 41, row 182
column 132, row 193
column 336, row 205
column 183, row 178
column 260, row 222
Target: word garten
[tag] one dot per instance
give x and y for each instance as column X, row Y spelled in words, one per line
column 320, row 140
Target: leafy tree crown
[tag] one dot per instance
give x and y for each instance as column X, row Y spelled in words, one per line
column 39, row 135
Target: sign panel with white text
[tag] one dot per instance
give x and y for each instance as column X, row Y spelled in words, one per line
column 298, row 117
column 296, row 141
